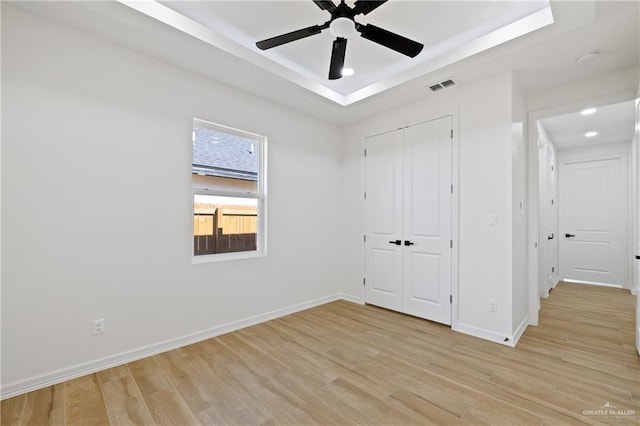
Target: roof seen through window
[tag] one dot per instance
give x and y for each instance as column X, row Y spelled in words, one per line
column 216, row 153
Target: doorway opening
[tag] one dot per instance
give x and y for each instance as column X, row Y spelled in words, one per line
column 583, row 197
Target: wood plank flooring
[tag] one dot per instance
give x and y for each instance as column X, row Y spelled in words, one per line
column 343, row 363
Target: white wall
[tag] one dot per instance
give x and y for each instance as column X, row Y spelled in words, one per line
column 484, row 134
column 619, row 85
column 97, row 212
column 519, row 223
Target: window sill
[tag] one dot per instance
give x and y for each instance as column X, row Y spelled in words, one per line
column 221, row 257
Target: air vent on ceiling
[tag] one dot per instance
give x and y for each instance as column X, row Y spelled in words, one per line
column 442, row 85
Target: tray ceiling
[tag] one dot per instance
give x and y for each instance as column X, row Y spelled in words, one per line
column 450, row 31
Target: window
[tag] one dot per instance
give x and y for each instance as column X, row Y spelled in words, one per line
column 227, row 178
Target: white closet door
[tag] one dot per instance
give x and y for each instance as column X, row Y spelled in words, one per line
column 383, row 258
column 427, row 220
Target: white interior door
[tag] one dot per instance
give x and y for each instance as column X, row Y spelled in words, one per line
column 551, row 199
column 427, row 220
column 592, row 220
column 383, row 257
column 408, row 220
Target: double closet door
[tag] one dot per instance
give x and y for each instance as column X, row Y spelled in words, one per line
column 408, row 220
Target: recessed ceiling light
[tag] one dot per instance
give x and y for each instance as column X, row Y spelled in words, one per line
column 346, row 72
column 587, row 57
column 588, row 111
column 591, row 134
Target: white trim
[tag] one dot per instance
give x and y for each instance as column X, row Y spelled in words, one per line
column 351, row 298
column 486, row 334
column 222, row 257
column 58, row 376
column 455, row 217
column 522, row 327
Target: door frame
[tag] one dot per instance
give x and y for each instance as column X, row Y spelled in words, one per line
column 455, row 203
column 545, row 260
column 535, row 278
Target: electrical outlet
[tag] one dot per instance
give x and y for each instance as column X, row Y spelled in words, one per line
column 314, row 281
column 98, row 326
column 493, row 305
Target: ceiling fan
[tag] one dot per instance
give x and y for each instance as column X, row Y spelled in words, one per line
column 341, row 24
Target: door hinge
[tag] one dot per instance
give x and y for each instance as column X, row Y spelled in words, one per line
column 450, row 243
column 452, row 189
column 451, row 133
column 451, row 299
column 365, row 195
column 365, row 152
column 365, row 238
column 364, row 281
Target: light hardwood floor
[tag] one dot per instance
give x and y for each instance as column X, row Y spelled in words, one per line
column 343, row 363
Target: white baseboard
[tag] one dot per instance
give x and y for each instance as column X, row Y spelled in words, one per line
column 351, row 298
column 58, row 376
column 485, row 334
column 522, row 327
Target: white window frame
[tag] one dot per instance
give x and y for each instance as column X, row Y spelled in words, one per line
column 260, row 195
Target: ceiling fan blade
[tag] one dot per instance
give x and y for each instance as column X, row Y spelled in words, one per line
column 289, row 37
column 391, row 40
column 365, row 6
column 325, row 5
column 337, row 58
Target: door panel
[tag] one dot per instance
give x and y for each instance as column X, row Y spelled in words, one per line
column 383, row 260
column 551, row 219
column 592, row 212
column 427, row 220
column 424, row 277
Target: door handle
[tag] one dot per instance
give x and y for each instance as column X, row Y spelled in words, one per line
column 396, row 242
column 550, row 237
column 408, row 243
column 569, row 235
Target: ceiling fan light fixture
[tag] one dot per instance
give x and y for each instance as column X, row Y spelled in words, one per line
column 343, row 27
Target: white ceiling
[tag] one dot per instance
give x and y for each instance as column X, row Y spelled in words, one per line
column 445, row 27
column 614, row 123
column 541, row 60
